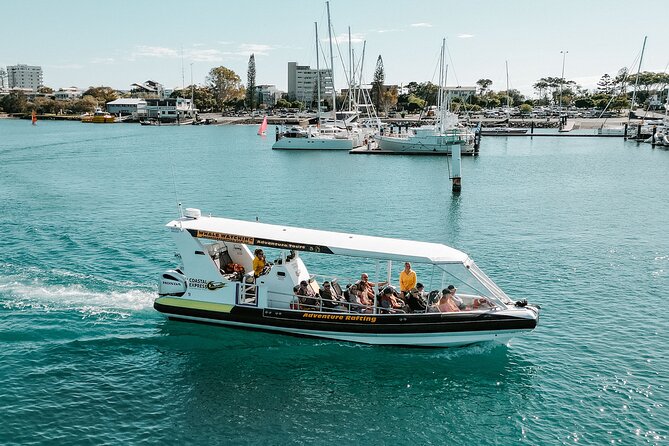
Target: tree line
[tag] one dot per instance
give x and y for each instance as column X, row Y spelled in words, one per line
column 223, row 90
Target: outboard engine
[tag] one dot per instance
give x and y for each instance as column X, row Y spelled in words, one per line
column 172, row 283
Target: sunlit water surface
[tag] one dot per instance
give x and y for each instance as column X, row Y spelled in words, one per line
column 577, row 225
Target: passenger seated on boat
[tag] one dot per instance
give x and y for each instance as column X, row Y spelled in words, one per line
column 390, row 303
column 447, row 304
column 461, row 305
column 307, row 296
column 367, row 288
column 354, row 297
column 329, row 297
column 415, row 299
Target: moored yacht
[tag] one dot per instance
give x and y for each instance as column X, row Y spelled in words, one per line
column 437, row 139
column 215, row 283
column 341, row 133
column 430, row 139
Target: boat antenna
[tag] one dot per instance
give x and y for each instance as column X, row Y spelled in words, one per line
column 174, row 183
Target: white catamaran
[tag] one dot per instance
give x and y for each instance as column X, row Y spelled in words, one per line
column 216, row 283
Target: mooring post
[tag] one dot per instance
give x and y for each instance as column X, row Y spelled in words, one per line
column 625, row 132
column 456, row 158
column 652, row 141
column 477, row 140
column 638, row 131
column 532, row 128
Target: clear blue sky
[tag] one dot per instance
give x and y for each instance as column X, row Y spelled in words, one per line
column 84, row 43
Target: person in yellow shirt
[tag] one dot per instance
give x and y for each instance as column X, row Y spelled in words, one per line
column 259, row 262
column 408, row 279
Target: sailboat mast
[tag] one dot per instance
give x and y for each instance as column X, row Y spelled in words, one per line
column 636, row 82
column 441, row 97
column 350, row 71
column 318, row 75
column 334, row 92
column 508, row 110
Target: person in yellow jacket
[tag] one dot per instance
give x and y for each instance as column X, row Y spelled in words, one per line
column 408, row 279
column 259, row 262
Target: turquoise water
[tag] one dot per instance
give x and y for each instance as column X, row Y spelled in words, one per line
column 577, row 225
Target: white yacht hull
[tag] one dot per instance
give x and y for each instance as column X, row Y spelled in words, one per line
column 313, row 144
column 393, row 144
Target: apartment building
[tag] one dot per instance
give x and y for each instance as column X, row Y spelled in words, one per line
column 303, row 80
column 24, row 77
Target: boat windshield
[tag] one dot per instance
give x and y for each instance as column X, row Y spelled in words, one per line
column 470, row 280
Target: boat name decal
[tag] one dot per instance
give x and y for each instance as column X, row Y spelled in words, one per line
column 340, row 317
column 224, row 237
column 290, row 245
column 197, row 283
column 280, row 244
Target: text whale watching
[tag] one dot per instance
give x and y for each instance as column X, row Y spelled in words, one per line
column 224, row 278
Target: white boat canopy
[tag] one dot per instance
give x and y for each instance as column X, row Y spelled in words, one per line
column 326, row 242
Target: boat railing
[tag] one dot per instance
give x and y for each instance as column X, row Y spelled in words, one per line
column 318, row 303
column 247, row 294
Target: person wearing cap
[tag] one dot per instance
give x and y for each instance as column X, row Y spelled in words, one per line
column 461, row 305
column 447, row 303
column 306, row 295
column 390, row 302
column 415, row 299
column 329, row 296
column 259, row 262
column 408, row 279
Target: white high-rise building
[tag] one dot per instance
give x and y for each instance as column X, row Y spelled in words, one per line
column 3, row 79
column 24, row 76
column 302, row 82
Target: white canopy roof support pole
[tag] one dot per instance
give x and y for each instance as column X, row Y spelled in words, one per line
column 390, row 270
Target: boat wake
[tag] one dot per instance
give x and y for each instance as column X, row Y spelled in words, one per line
column 22, row 293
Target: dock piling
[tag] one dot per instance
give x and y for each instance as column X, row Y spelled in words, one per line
column 653, row 138
column 456, row 158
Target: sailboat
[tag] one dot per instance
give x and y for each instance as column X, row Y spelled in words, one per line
column 262, row 130
column 438, row 139
column 505, row 130
column 340, row 132
column 34, row 118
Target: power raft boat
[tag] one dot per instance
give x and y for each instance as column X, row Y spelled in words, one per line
column 215, row 284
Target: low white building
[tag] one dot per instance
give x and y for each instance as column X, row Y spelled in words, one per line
column 149, row 88
column 127, row 106
column 460, row 92
column 66, row 93
column 168, row 109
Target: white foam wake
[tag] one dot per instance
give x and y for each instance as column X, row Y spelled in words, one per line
column 36, row 295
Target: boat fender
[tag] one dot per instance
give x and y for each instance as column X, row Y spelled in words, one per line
column 215, row 285
column 521, row 303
